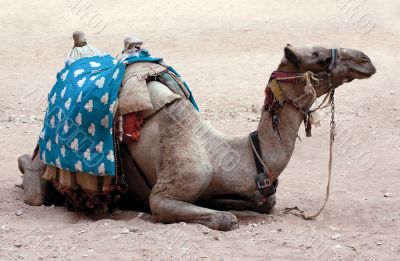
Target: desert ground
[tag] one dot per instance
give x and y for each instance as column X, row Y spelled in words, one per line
column 225, row 50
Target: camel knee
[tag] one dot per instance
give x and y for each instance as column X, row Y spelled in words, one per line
column 164, row 209
column 36, row 190
column 156, row 207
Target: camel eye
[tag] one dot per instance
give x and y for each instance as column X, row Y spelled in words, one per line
column 325, row 62
column 315, row 54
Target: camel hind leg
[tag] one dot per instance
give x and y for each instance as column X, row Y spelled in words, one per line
column 172, row 199
column 184, row 175
column 169, row 210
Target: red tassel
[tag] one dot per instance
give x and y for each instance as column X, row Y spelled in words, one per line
column 132, row 126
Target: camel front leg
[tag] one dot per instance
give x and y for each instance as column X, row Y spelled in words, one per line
column 168, row 210
column 265, row 206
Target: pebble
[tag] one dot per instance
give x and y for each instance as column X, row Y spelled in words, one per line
column 336, row 237
column 387, row 195
column 19, row 212
column 82, row 231
column 140, row 215
column 134, row 229
column 378, row 243
column 217, row 238
column 125, row 231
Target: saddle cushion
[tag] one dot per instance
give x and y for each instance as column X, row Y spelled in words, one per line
column 160, row 95
column 134, row 95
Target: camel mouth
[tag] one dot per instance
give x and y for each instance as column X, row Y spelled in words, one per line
column 364, row 71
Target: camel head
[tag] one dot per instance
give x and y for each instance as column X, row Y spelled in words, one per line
column 350, row 64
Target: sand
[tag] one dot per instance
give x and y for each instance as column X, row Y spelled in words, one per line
column 226, row 51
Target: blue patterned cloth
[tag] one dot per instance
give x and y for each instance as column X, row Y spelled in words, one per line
column 77, row 134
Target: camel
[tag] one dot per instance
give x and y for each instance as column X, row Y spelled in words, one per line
column 192, row 173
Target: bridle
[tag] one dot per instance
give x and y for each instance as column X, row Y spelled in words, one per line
column 275, row 99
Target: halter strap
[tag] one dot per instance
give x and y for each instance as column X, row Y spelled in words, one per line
column 265, row 181
column 334, row 52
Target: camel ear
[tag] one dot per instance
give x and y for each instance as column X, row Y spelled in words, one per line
column 291, row 56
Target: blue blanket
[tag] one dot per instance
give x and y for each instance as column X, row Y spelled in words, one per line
column 78, row 126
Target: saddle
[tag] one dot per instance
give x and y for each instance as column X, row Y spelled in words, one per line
column 147, row 88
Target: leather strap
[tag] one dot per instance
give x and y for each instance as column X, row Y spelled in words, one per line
column 266, row 185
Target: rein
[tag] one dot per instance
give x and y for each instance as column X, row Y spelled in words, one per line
column 275, row 99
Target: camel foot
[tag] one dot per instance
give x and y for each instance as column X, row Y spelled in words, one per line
column 224, row 221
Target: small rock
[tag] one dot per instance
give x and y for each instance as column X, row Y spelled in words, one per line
column 17, row 244
column 336, row 237
column 116, row 236
column 134, row 229
column 125, row 231
column 378, row 243
column 279, row 229
column 205, row 232
column 217, row 238
column 387, row 195
column 82, row 231
column 140, row 215
column 19, row 212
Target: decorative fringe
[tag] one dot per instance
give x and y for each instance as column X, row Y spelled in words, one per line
column 309, row 88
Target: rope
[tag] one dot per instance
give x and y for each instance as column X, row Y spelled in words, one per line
column 297, row 211
column 309, row 88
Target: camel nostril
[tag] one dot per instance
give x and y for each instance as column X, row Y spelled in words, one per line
column 365, row 58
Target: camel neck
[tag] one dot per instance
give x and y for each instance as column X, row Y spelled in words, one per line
column 277, row 149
